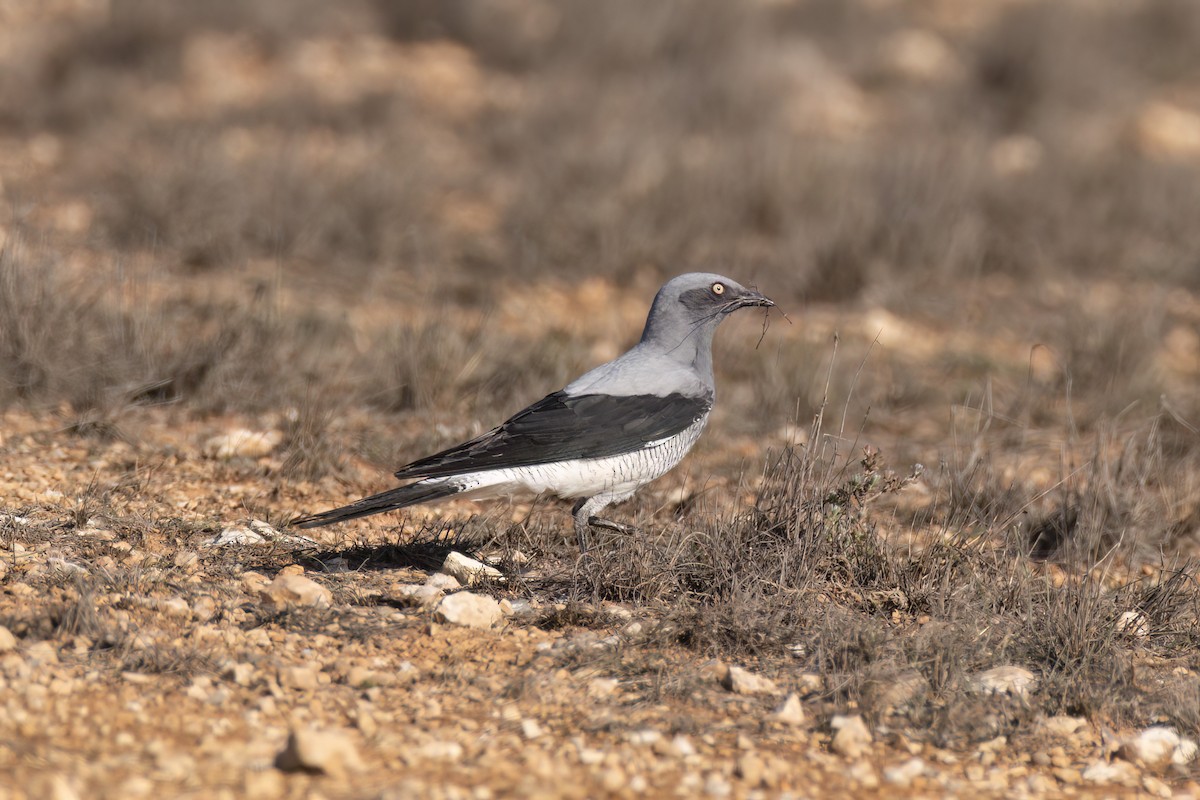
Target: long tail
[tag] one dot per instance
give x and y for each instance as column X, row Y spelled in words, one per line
column 400, row 497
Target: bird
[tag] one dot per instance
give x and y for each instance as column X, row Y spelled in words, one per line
column 601, row 437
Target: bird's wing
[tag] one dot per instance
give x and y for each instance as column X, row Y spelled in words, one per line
column 561, row 426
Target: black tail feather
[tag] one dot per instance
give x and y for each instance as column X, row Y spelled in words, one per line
column 400, row 497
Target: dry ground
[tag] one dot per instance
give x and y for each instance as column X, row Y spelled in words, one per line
column 253, row 256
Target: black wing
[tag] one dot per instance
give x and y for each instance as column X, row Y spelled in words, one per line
column 562, row 426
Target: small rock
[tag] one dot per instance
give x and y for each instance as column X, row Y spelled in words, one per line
column 602, row 687
column 530, row 729
column 327, row 752
column 441, row 751
column 1168, row 131
column 751, row 769
column 1156, row 787
column 715, row 785
column 791, row 712
column 1106, row 772
column 235, row 535
column 295, row 590
column 809, row 683
column 242, row 443
column 1133, row 623
column 444, row 582
column 888, row 697
column 1010, row 680
column 62, row 567
column 8, row 642
column 682, row 746
column 186, row 560
column 742, row 681
column 266, row 784
column 645, row 737
column 1157, row 746
column 175, row 607
column 415, row 594
column 470, row 610
column 1062, row 725
column 904, row 774
column 613, row 779
column 299, row 677
column 468, row 571
column 1068, row 775
column 862, row 773
column 852, row 739
column 61, row 789
column 204, row 608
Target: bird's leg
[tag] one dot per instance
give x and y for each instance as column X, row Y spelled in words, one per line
column 610, row 525
column 582, row 516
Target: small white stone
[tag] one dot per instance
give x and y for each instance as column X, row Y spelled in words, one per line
column 441, row 751
column 1062, row 725
column 530, row 729
column 1010, row 680
column 1157, row 745
column 742, row 681
column 329, row 752
column 790, row 712
column 852, row 738
column 644, row 737
column 468, row 571
column 242, row 443
column 440, row 580
column 415, row 594
column 683, row 746
column 1133, row 623
column 235, row 534
column 1105, row 772
column 904, row 774
column 295, row 590
column 8, row 642
column 470, row 610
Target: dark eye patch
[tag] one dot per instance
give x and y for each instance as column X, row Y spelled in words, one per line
column 699, row 299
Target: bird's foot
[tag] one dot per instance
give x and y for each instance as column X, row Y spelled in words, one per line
column 608, row 524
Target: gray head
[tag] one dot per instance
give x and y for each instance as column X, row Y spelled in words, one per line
column 687, row 311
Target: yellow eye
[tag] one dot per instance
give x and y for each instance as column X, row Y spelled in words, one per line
column 718, row 288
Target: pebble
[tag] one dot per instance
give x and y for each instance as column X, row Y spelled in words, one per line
column 328, row 752
column 790, row 712
column 742, row 681
column 1133, row 623
column 904, row 774
column 235, row 535
column 295, row 590
column 440, row 580
column 1062, row 726
column 852, row 739
column 751, row 769
column 299, row 677
column 416, row 595
column 809, row 683
column 1105, row 772
column 242, row 443
column 8, row 642
column 266, row 784
column 470, row 610
column 862, row 773
column 1009, row 680
column 468, row 571
column 441, row 751
column 1156, row 746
